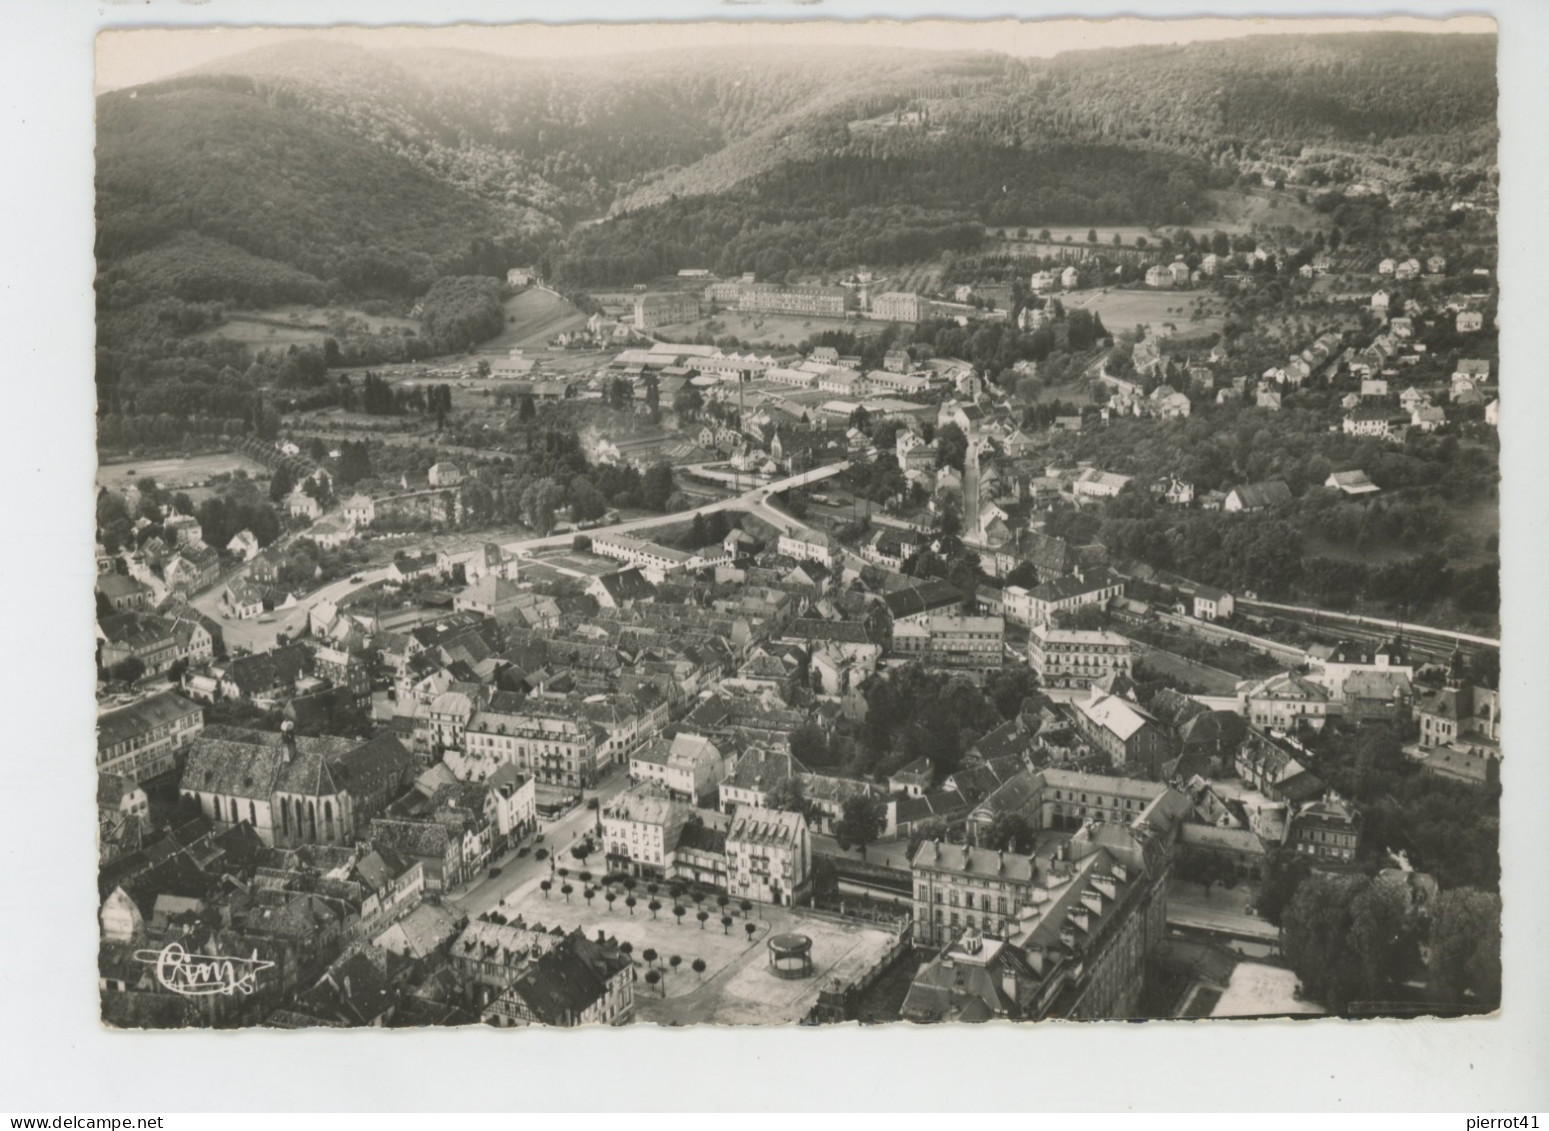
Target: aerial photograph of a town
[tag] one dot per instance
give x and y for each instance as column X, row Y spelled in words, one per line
column 729, row 531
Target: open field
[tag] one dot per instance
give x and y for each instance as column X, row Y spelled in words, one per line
column 1122, row 310
column 177, row 474
column 532, row 318
column 774, row 329
column 1077, row 234
column 1213, row 681
column 1238, row 210
column 372, row 323
column 258, row 335
column 922, row 278
column 566, row 567
column 300, row 325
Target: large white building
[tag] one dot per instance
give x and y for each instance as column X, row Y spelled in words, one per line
column 807, row 545
column 1329, row 667
column 1068, row 657
column 1094, row 484
column 689, row 768
column 640, row 829
column 1281, row 701
column 652, row 310
column 768, row 855
column 898, row 306
column 655, row 561
column 147, row 738
column 775, row 298
column 551, row 739
column 1060, row 595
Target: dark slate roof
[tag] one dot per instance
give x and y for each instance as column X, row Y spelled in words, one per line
column 1062, row 588
column 941, row 804
column 418, row 839
column 974, row 783
column 277, row 667
column 251, row 763
column 1269, row 494
column 135, row 630
column 830, row 631
column 1305, row 786
column 376, row 764
column 1175, row 708
column 702, row 838
column 1010, row 738
column 922, row 598
column 157, row 710
column 1049, row 554
column 568, row 978
column 626, row 585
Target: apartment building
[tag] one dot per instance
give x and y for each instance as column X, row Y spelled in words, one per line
column 551, row 739
column 899, row 306
column 664, row 309
column 147, row 738
column 768, row 855
column 775, row 298
column 1068, row 657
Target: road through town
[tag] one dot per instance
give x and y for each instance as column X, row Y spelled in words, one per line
column 259, row 634
column 520, row 874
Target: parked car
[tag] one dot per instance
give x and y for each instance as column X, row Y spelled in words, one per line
column 357, row 579
column 494, row 872
column 525, row 850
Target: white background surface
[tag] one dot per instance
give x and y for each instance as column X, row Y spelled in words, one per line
column 57, row 1059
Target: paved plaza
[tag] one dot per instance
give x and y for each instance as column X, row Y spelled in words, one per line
column 737, row 987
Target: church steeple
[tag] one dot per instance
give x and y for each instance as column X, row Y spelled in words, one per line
column 1457, row 668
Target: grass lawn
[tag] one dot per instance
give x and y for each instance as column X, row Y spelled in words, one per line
column 532, row 318
column 257, row 335
column 1238, row 210
column 176, row 474
column 773, row 329
column 1214, row 681
column 305, row 324
column 1077, row 234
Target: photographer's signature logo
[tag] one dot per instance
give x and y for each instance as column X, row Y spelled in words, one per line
column 200, row 975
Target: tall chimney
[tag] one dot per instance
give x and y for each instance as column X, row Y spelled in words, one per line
column 288, row 739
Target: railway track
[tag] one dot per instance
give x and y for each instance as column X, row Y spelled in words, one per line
column 1424, row 644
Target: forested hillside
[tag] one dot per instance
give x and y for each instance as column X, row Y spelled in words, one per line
column 568, row 137
column 328, row 174
column 1381, row 96
column 1381, row 90
column 257, row 171
column 833, row 212
column 373, row 172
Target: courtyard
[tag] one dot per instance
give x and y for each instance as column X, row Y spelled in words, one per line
column 1260, row 990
